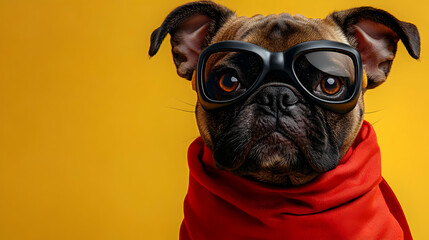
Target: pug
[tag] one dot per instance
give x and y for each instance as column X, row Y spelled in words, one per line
column 280, row 97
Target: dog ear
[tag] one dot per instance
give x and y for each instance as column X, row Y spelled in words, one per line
column 191, row 27
column 375, row 33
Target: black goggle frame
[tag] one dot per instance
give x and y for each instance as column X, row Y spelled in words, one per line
column 283, row 61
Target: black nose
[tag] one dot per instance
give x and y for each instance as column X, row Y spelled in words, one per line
column 273, row 99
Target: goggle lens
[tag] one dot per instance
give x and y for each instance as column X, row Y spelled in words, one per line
column 229, row 74
column 326, row 75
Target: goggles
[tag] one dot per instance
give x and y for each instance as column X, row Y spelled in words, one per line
column 329, row 73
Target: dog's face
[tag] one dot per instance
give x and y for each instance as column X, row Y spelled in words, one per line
column 278, row 135
column 284, row 144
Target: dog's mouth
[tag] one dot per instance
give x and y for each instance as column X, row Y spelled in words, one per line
column 279, row 150
column 276, row 158
column 290, row 148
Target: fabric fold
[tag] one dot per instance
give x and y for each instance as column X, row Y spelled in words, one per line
column 344, row 203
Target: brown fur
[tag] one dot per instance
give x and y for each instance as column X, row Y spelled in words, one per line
column 260, row 30
column 311, row 131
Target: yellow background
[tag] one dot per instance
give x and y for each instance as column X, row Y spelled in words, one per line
column 92, row 145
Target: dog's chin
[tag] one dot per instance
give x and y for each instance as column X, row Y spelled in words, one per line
column 290, row 179
column 276, row 159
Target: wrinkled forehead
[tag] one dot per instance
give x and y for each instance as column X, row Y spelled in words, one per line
column 280, row 31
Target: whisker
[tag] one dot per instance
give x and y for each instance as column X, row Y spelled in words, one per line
column 375, row 122
column 182, row 110
column 190, row 104
column 376, row 111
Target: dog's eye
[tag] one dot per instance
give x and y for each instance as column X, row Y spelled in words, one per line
column 331, row 85
column 228, row 83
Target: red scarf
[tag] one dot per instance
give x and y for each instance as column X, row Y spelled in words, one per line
column 350, row 202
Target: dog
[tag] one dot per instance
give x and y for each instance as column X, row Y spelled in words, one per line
column 280, row 111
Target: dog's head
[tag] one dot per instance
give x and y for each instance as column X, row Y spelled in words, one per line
column 282, row 118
